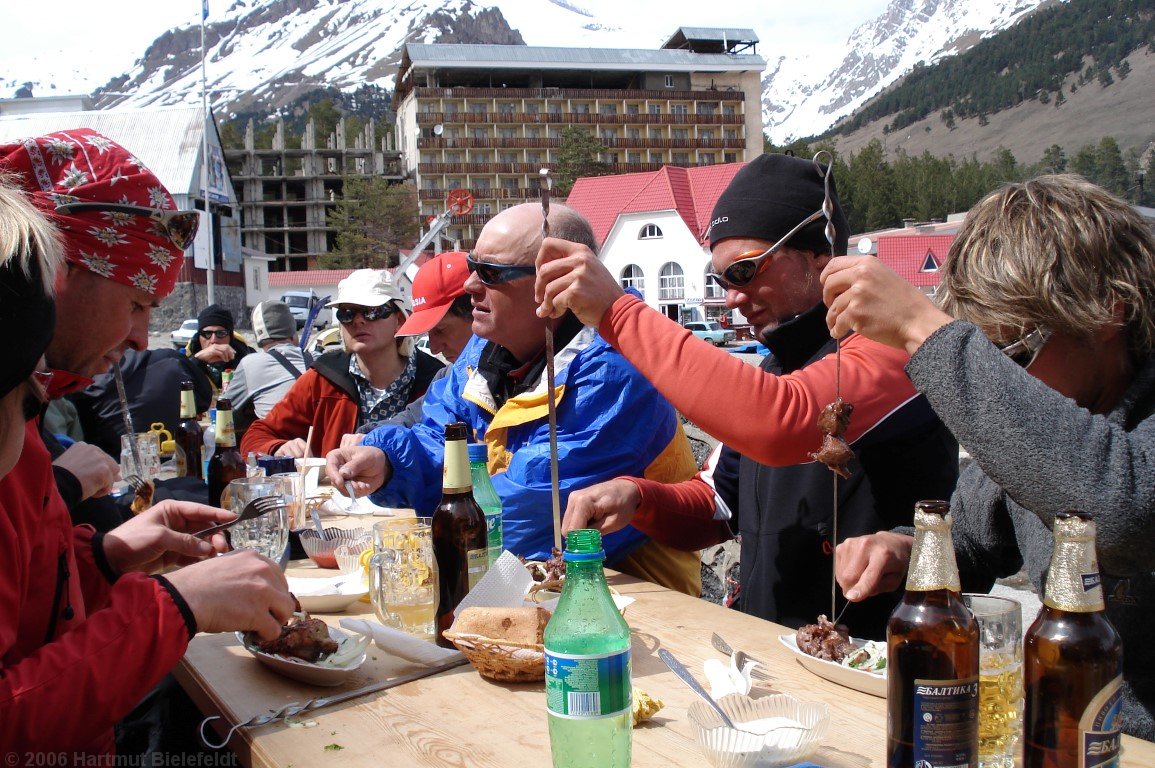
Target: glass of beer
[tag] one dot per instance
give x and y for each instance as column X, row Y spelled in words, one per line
column 403, row 576
column 268, row 534
column 1000, row 622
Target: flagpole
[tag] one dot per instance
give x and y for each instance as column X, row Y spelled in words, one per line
column 205, row 157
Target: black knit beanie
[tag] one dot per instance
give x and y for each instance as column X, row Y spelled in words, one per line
column 215, row 314
column 770, row 196
column 30, row 316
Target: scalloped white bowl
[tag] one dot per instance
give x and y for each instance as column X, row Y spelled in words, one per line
column 759, row 744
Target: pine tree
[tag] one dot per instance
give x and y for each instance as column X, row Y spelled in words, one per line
column 577, row 156
column 373, row 220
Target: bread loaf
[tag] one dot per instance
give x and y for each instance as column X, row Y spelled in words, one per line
column 521, row 625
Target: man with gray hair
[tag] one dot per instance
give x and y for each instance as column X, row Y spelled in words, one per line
column 261, row 380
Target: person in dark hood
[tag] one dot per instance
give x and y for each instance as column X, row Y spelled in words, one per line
column 216, row 347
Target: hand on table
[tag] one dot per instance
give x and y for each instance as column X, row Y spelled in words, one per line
column 92, row 467
column 570, row 276
column 161, row 537
column 607, row 506
column 365, row 466
column 862, row 294
column 297, row 448
column 871, row 565
column 348, row 441
column 216, row 353
column 239, row 591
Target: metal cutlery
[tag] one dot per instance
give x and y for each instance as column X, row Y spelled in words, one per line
column 758, row 671
column 679, row 669
column 255, row 508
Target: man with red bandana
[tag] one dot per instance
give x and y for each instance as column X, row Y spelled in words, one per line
column 85, row 632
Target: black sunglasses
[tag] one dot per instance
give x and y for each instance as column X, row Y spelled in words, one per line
column 345, row 315
column 220, row 334
column 180, row 227
column 496, row 274
column 747, row 266
column 1023, row 351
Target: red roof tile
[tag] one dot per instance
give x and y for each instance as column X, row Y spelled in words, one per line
column 907, row 255
column 691, row 192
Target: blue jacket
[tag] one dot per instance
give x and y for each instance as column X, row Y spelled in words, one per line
column 610, row 422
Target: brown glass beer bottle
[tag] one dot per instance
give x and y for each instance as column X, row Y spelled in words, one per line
column 227, row 464
column 1072, row 660
column 460, row 540
column 932, row 643
column 187, row 437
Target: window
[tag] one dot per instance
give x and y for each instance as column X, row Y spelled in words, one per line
column 635, row 157
column 581, row 109
column 505, row 108
column 453, row 157
column 681, row 158
column 480, row 133
column 672, row 282
column 478, row 109
column 655, row 109
column 669, row 81
column 533, row 133
column 708, row 108
column 608, row 109
column 706, row 158
column 656, row 157
column 632, row 278
column 482, row 185
column 609, row 133
column 706, row 134
column 728, row 110
column 730, row 133
column 632, row 109
column 655, row 133
column 679, row 109
column 507, row 133
column 713, row 290
column 634, row 133
column 680, row 133
column 650, row 232
column 531, row 109
column 482, row 209
column 929, row 263
column 507, row 157
column 730, row 157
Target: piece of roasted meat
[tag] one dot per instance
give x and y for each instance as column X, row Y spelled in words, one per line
column 825, row 640
column 303, row 637
column 834, row 452
column 142, row 497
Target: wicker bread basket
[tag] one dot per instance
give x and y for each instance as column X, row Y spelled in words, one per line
column 504, row 660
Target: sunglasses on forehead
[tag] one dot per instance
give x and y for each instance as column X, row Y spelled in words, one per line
column 179, row 227
column 346, row 315
column 747, row 266
column 496, row 274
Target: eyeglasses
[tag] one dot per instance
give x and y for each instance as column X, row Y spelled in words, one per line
column 38, row 387
column 747, row 266
column 346, row 315
column 1024, row 350
column 220, row 333
column 180, row 227
column 496, row 274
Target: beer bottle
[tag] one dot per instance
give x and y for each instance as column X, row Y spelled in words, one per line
column 459, row 539
column 932, row 644
column 187, row 436
column 227, row 464
column 1072, row 660
column 587, row 665
column 487, row 497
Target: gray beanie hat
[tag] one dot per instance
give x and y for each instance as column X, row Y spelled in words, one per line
column 273, row 320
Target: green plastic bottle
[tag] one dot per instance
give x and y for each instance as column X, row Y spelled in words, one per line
column 486, row 497
column 587, row 665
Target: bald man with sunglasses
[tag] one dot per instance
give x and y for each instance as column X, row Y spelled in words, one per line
column 768, row 247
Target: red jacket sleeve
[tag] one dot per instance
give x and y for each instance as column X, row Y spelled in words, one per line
column 288, row 420
column 679, row 515
column 779, row 414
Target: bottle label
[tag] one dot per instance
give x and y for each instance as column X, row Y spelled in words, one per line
column 188, row 404
column 1099, row 727
column 493, row 534
column 946, row 724
column 226, row 434
column 589, row 686
column 477, row 561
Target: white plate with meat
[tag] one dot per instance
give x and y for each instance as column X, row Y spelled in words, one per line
column 333, row 668
column 873, row 683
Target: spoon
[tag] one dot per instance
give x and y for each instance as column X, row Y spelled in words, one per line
column 317, row 522
column 679, row 669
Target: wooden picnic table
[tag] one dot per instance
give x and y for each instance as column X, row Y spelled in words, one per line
column 457, row 718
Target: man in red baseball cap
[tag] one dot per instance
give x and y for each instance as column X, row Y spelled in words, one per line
column 441, row 307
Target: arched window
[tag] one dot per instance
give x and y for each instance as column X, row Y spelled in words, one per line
column 713, row 290
column 632, row 278
column 672, row 282
column 650, row 232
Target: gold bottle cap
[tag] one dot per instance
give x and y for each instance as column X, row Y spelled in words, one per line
column 1073, row 582
column 932, row 562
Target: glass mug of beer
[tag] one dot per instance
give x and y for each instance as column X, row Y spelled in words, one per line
column 267, row 534
column 1000, row 622
column 403, row 576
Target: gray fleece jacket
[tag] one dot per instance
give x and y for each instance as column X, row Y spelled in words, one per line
column 1037, row 453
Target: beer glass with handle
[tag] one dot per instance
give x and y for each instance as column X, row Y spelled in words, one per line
column 1000, row 622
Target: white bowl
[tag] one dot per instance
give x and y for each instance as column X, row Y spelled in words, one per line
column 331, row 595
column 757, row 742
column 304, row 671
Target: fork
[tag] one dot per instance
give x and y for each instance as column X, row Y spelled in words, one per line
column 135, row 481
column 255, row 508
column 759, row 671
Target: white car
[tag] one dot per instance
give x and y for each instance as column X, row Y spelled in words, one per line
column 183, row 335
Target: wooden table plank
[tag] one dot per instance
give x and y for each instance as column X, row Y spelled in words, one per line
column 457, row 718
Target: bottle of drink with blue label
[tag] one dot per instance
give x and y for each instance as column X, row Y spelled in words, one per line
column 587, row 665
column 1072, row 660
column 486, row 497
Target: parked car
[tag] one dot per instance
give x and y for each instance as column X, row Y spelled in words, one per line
column 712, row 332
column 299, row 302
column 183, row 335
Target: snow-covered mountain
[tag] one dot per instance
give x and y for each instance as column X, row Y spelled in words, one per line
column 265, row 53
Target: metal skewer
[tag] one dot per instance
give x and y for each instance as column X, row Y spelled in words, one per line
column 546, row 184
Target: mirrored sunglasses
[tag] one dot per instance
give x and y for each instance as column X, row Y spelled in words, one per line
column 496, row 274
column 1024, row 350
column 220, row 333
column 347, row 314
column 179, row 227
column 747, row 266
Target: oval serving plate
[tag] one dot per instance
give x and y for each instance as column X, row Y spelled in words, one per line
column 332, row 595
column 306, row 672
column 873, row 683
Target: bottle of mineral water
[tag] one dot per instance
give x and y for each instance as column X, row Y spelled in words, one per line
column 487, row 497
column 587, row 665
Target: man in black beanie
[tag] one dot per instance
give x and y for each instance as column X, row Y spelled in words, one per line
column 216, row 347
column 768, row 246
